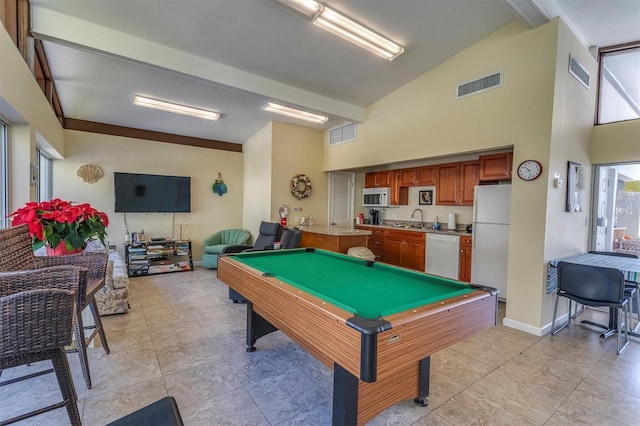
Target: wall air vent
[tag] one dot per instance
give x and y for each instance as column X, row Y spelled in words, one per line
column 480, row 85
column 579, row 72
column 342, row 134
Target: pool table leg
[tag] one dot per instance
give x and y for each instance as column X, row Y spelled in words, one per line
column 345, row 397
column 256, row 327
column 423, row 382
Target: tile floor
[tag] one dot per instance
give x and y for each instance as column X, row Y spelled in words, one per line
column 183, row 337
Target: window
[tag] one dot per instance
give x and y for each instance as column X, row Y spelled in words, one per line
column 616, row 208
column 619, row 85
column 4, row 176
column 44, row 165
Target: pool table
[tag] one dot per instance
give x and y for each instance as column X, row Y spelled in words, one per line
column 375, row 324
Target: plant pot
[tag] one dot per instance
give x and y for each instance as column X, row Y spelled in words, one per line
column 60, row 250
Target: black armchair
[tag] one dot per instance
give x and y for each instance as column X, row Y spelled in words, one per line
column 592, row 286
column 291, row 238
column 268, row 234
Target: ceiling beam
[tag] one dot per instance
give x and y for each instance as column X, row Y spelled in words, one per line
column 69, row 31
column 130, row 132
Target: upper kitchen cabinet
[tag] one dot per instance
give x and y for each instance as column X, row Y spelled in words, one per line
column 469, row 171
column 418, row 176
column 496, row 166
column 399, row 193
column 456, row 183
column 448, row 181
column 381, row 179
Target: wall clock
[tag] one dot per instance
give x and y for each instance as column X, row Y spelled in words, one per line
column 529, row 170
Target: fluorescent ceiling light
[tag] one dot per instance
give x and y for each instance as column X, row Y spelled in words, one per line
column 308, row 7
column 175, row 108
column 295, row 113
column 346, row 28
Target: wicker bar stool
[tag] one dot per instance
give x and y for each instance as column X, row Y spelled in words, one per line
column 36, row 314
column 16, row 253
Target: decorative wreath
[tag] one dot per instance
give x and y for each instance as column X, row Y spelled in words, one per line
column 300, row 186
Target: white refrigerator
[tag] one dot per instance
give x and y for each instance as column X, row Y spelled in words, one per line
column 490, row 250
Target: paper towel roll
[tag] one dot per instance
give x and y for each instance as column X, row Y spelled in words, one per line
column 452, row 221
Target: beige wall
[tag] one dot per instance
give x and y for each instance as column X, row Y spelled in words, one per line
column 271, row 158
column 566, row 233
column 540, row 110
column 209, row 211
column 424, row 120
column 25, row 108
column 615, row 142
column 257, row 180
column 298, row 150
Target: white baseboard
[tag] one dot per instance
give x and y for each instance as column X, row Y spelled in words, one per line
column 536, row 331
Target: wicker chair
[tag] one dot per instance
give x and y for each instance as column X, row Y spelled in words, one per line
column 36, row 316
column 16, row 253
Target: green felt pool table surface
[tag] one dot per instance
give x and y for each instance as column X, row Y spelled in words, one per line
column 367, row 289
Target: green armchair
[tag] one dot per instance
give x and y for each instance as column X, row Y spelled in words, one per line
column 214, row 245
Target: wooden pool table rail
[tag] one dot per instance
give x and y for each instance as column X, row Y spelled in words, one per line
column 399, row 353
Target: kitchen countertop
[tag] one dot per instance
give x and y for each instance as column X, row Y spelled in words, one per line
column 334, row 230
column 425, row 230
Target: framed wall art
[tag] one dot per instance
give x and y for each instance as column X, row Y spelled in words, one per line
column 574, row 187
column 425, row 198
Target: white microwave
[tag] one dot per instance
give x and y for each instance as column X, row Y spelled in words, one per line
column 376, row 197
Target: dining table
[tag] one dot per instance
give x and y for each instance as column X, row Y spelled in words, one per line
column 629, row 266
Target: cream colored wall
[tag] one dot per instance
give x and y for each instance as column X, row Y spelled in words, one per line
column 27, row 111
column 424, row 120
column 298, row 150
column 257, row 180
column 615, row 142
column 209, row 211
column 566, row 233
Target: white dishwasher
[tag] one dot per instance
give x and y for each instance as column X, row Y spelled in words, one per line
column 442, row 255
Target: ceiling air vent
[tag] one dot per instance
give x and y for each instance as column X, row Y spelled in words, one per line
column 342, row 134
column 480, row 85
column 579, row 72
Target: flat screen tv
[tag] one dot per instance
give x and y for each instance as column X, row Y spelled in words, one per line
column 139, row 193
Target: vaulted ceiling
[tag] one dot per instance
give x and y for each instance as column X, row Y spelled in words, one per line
column 233, row 56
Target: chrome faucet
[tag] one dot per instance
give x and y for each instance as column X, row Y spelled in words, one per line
column 421, row 214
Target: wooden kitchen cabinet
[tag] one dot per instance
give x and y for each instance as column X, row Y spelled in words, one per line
column 418, row 176
column 426, row 175
column 456, row 183
column 399, row 194
column 469, row 171
column 375, row 242
column 340, row 243
column 378, row 179
column 464, row 273
column 397, row 247
column 448, row 183
column 496, row 166
column 405, row 248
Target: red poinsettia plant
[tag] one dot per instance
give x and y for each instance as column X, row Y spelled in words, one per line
column 57, row 222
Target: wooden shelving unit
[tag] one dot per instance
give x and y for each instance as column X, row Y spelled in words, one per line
column 158, row 257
